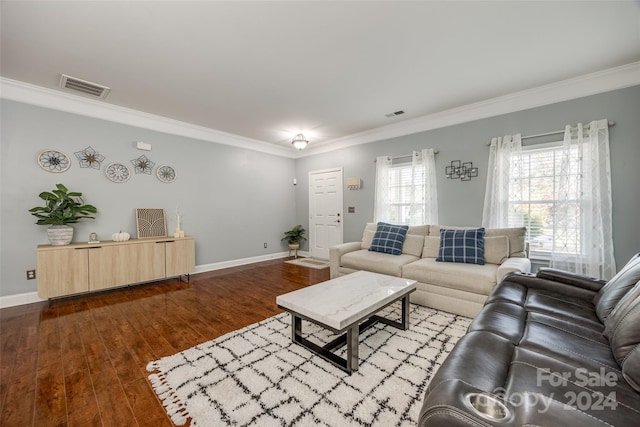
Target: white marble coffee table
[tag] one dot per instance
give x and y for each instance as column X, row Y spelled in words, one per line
column 346, row 305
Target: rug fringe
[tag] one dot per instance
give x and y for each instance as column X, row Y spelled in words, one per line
column 172, row 405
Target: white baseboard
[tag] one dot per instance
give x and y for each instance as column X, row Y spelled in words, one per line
column 244, row 261
column 19, row 299
column 31, row 297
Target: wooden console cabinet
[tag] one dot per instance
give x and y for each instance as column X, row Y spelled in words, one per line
column 83, row 267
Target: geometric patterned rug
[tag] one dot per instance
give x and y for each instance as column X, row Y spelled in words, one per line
column 256, row 376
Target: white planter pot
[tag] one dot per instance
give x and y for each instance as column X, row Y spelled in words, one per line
column 60, row 234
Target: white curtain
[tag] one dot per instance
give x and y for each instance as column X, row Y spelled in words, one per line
column 583, row 218
column 505, row 164
column 382, row 201
column 424, row 200
column 419, row 190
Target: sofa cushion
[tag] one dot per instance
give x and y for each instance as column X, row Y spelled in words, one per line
column 367, row 238
column 474, row 278
column 415, row 239
column 431, row 246
column 631, row 368
column 516, row 236
column 420, row 230
column 616, row 288
column 496, row 249
column 413, row 244
column 389, row 238
column 367, row 234
column 621, row 309
column 465, row 246
column 376, row 262
column 621, row 328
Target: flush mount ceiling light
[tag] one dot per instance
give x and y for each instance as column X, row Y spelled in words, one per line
column 299, row 141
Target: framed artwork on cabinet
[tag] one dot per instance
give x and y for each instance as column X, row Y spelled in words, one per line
column 151, row 223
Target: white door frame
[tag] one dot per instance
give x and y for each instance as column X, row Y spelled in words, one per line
column 337, row 217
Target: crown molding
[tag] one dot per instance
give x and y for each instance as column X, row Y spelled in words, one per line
column 590, row 84
column 43, row 97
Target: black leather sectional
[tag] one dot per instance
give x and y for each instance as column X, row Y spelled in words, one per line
column 552, row 349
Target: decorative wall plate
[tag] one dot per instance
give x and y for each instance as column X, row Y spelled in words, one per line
column 117, row 172
column 166, row 173
column 53, row 161
column 89, row 158
column 143, row 165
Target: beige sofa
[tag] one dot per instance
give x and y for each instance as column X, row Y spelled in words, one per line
column 454, row 287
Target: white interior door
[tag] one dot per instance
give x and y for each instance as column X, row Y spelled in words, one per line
column 325, row 211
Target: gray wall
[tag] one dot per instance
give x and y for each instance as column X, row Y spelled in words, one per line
column 460, row 203
column 232, row 200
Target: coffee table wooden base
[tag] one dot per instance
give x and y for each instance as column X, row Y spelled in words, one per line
column 350, row 336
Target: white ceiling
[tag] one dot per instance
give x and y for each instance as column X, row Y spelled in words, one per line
column 267, row 70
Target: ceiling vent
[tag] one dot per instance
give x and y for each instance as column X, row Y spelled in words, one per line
column 395, row 113
column 88, row 88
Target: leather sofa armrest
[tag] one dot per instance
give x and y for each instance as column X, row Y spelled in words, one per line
column 336, row 252
column 512, row 265
column 585, row 282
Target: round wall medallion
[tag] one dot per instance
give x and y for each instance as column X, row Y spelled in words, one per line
column 166, row 174
column 53, row 161
column 117, row 172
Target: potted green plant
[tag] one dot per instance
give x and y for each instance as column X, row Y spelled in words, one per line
column 61, row 209
column 294, row 237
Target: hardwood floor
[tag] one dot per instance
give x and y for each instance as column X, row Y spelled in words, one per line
column 82, row 360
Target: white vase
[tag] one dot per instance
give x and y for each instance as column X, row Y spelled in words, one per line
column 60, row 234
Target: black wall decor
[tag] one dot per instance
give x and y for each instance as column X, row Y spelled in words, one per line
column 462, row 171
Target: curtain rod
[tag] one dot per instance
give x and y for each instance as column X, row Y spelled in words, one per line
column 557, row 132
column 407, row 155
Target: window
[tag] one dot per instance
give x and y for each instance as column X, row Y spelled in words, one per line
column 561, row 192
column 406, row 192
column 537, row 193
column 405, row 187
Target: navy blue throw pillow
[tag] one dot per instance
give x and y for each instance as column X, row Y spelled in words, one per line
column 462, row 246
column 389, row 238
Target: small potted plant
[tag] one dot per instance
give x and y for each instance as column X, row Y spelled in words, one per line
column 294, row 237
column 62, row 208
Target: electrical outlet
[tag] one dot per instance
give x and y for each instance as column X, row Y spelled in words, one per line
column 31, row 274
column 265, row 245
